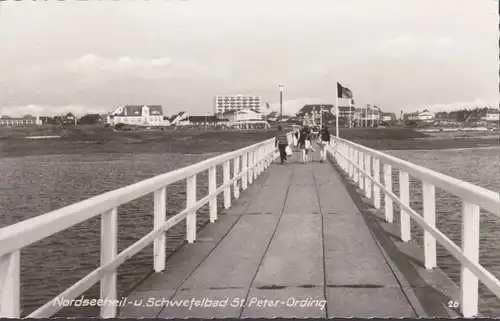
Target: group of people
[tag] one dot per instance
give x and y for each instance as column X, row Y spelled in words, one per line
column 302, row 140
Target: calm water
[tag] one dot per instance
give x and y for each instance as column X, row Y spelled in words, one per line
column 30, row 186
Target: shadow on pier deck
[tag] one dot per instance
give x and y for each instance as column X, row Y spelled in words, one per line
column 299, row 236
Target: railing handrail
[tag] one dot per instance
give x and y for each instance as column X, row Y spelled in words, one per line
column 29, row 231
column 356, row 161
column 486, row 199
column 254, row 160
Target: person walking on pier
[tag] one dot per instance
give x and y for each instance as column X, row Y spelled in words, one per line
column 295, row 138
column 324, row 141
column 282, row 143
column 305, row 143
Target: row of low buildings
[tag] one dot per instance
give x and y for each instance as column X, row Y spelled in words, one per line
column 20, row 121
column 152, row 115
column 491, row 115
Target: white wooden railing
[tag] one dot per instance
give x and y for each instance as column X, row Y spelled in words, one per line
column 362, row 165
column 254, row 160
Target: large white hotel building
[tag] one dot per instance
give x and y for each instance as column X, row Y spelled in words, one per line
column 224, row 104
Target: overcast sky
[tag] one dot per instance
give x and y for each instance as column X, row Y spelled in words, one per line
column 94, row 55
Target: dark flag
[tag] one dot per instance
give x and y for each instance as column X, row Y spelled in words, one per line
column 343, row 92
column 267, row 104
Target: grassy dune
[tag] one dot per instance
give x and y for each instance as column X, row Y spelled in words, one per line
column 98, row 139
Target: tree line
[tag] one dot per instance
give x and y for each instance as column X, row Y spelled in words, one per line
column 462, row 115
column 88, row 119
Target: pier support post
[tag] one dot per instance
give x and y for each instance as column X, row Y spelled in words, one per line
column 227, row 189
column 389, row 212
column 236, row 171
column 404, row 195
column 368, row 182
column 244, row 166
column 428, row 192
column 470, row 248
column 362, row 168
column 212, row 187
column 191, row 216
column 376, row 189
column 109, row 238
column 10, row 285
column 159, row 244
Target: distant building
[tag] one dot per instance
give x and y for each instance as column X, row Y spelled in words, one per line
column 207, row 120
column 139, row 115
column 19, row 121
column 346, row 112
column 493, row 114
column 387, row 117
column 244, row 117
column 69, row 118
column 423, row 116
column 224, row 104
column 179, row 119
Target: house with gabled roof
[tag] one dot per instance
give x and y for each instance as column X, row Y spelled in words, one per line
column 139, row 115
column 179, row 119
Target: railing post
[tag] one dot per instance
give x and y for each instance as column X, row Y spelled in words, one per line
column 344, row 159
column 368, row 182
column 348, row 157
column 191, row 216
column 109, row 238
column 356, row 162
column 212, row 187
column 256, row 163
column 404, row 196
column 227, row 189
column 236, row 171
column 376, row 189
column 10, row 285
column 362, row 167
column 259, row 160
column 159, row 245
column 389, row 214
column 270, row 154
column 429, row 197
column 470, row 248
column 244, row 166
column 250, row 168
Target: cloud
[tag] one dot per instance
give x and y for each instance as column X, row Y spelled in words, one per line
column 119, row 65
column 460, row 105
column 398, row 46
column 405, row 46
column 444, row 42
column 49, row 110
column 155, row 68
